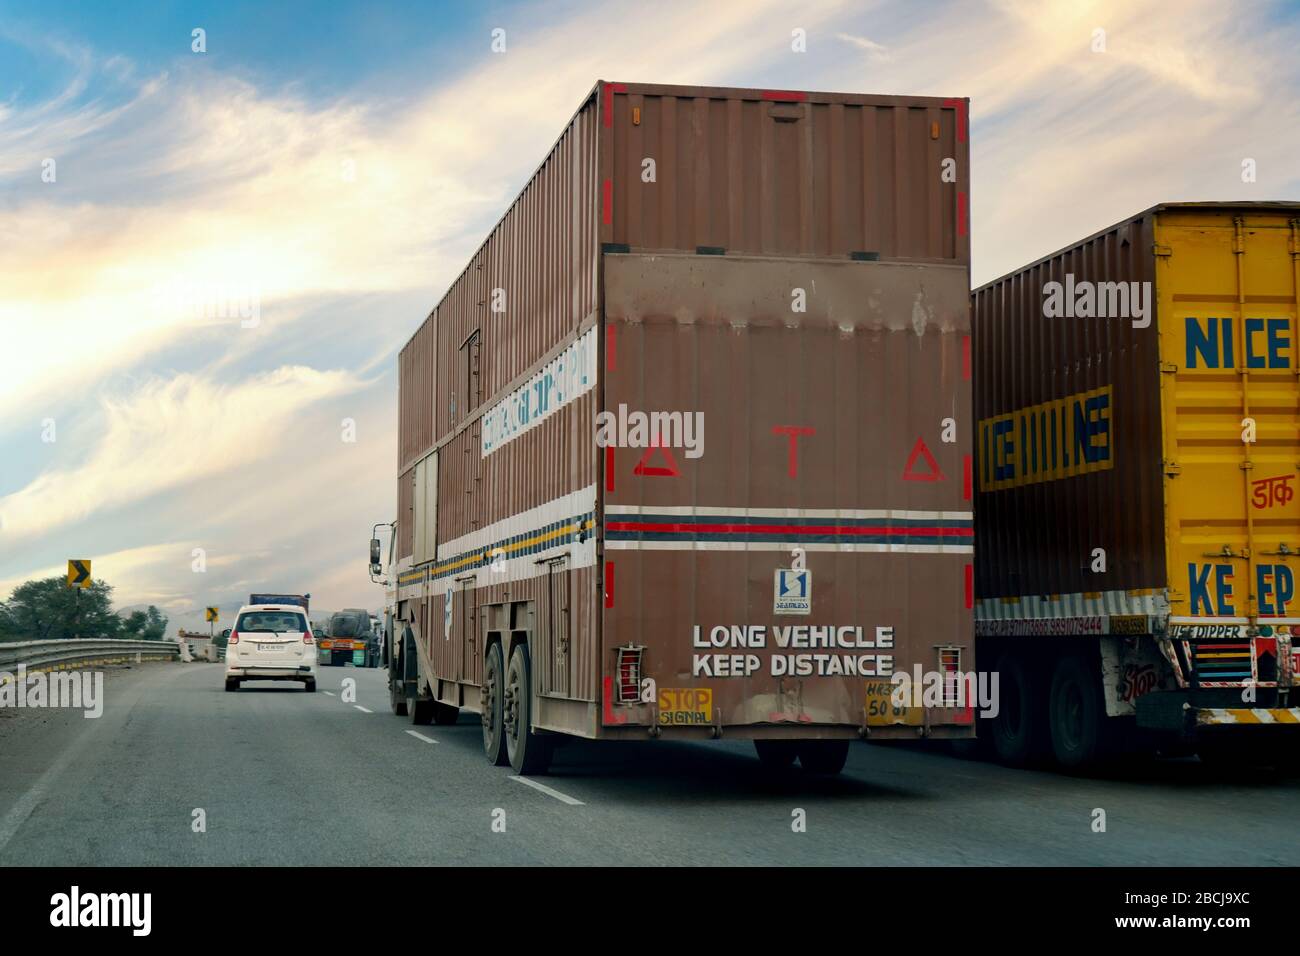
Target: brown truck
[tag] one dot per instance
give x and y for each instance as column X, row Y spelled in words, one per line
column 685, row 451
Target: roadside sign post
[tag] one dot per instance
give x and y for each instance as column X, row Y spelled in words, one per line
column 78, row 579
column 212, row 615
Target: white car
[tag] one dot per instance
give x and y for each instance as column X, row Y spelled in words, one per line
column 270, row 642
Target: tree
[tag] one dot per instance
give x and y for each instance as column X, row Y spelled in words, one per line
column 156, row 626
column 49, row 610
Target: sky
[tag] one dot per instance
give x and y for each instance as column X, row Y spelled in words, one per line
column 210, row 259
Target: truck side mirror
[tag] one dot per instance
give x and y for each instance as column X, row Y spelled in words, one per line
column 374, row 552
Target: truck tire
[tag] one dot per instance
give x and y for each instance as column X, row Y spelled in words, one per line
column 309, row 686
column 420, row 710
column 1081, row 731
column 1016, row 734
column 494, row 738
column 529, row 752
column 232, row 684
column 445, row 714
column 823, row 756
column 776, row 754
column 396, row 697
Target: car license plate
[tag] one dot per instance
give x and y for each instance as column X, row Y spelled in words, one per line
column 269, row 647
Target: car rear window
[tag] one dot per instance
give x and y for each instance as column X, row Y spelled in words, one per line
column 271, row 621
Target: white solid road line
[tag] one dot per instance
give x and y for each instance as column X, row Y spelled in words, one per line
column 362, row 709
column 419, row 736
column 562, row 797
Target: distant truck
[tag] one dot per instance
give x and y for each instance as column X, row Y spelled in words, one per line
column 301, row 600
column 351, row 639
column 1137, row 521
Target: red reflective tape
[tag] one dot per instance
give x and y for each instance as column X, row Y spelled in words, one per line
column 607, row 113
column 970, row 586
column 610, row 716
column 960, row 107
column 961, row 214
column 965, row 358
column 965, row 478
column 607, row 202
column 609, row 584
column 609, row 467
column 800, row 529
column 610, row 353
column 785, row 95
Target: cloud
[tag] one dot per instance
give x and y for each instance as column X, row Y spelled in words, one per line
column 203, row 181
column 188, row 198
column 168, row 434
column 874, row 50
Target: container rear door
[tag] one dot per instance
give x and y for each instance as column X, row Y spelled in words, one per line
column 805, row 530
column 1226, row 286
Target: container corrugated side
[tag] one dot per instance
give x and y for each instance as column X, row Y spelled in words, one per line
column 787, row 173
column 1047, row 507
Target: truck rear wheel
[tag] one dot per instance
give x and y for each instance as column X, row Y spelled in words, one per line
column 396, row 697
column 776, row 754
column 420, row 710
column 1016, row 732
column 494, row 740
column 529, row 752
column 1081, row 735
column 823, row 756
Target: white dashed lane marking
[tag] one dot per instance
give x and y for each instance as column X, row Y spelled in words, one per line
column 562, row 797
column 419, row 736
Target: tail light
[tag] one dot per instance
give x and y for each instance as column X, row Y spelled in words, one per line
column 234, row 637
column 629, row 673
column 306, row 637
column 950, row 667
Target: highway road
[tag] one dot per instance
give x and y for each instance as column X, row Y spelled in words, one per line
column 286, row 777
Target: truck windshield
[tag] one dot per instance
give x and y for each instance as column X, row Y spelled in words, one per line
column 271, row 621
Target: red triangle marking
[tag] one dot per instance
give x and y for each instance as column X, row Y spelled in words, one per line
column 658, row 471
column 919, row 450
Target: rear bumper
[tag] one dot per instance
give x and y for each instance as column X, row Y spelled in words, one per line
column 1225, row 716
column 1186, row 713
column 287, row 672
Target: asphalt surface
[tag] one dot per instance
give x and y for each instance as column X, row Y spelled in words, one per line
column 286, row 777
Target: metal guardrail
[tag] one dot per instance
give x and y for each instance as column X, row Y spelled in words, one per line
column 57, row 655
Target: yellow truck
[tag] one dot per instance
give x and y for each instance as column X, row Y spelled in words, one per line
column 1137, row 518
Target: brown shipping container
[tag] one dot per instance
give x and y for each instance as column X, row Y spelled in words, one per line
column 782, row 280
